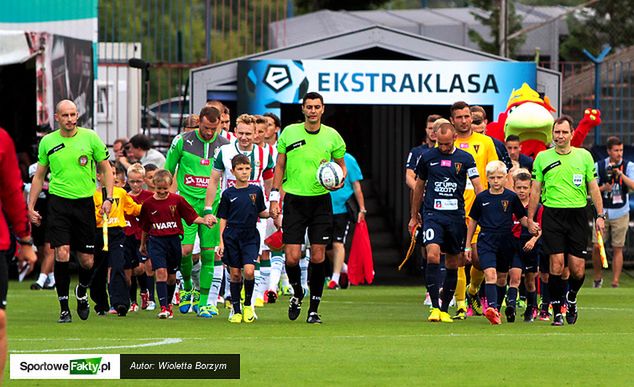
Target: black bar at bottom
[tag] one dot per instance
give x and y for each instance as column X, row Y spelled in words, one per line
column 185, row 366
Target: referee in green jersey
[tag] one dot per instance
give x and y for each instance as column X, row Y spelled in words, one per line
column 307, row 205
column 71, row 154
column 562, row 176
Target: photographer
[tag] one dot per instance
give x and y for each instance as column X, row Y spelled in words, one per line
column 616, row 178
column 138, row 150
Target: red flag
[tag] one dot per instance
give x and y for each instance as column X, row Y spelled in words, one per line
column 360, row 263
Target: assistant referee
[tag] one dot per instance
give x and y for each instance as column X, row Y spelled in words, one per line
column 563, row 175
column 71, row 154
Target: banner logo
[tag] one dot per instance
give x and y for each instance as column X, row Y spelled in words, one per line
column 277, row 77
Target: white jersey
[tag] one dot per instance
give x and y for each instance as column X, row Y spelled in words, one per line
column 261, row 164
column 228, row 135
column 273, row 150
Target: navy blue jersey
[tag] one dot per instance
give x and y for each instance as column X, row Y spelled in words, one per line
column 494, row 212
column 503, row 154
column 414, row 156
column 445, row 177
column 526, row 162
column 241, row 206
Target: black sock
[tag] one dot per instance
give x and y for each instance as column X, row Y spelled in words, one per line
column 564, row 290
column 150, row 287
column 575, row 285
column 142, row 279
column 511, row 297
column 442, row 271
column 492, row 295
column 449, row 288
column 545, row 294
column 170, row 292
column 133, row 289
column 235, row 296
column 84, row 280
column 62, row 283
column 161, row 290
column 431, row 278
column 294, row 274
column 500, row 292
column 316, row 284
column 555, row 287
column 522, row 288
column 531, row 298
column 249, row 284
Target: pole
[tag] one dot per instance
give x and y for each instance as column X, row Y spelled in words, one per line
column 597, row 83
column 208, row 30
column 502, row 33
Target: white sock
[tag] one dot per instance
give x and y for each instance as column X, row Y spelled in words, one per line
column 344, row 268
column 258, row 278
column 277, row 265
column 216, row 283
column 41, row 279
column 227, row 285
column 303, row 265
column 265, row 272
column 335, row 277
column 196, row 275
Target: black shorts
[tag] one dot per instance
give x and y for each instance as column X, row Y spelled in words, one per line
column 131, row 252
column 241, row 246
column 530, row 259
column 449, row 232
column 4, row 279
column 165, row 252
column 307, row 212
column 565, row 230
column 39, row 232
column 340, row 227
column 498, row 250
column 72, row 222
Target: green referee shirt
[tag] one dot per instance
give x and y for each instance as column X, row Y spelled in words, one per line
column 72, row 162
column 305, row 151
column 564, row 178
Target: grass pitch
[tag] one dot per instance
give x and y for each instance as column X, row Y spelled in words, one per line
column 370, row 336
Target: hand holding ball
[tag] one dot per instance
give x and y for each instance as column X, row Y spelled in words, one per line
column 330, row 175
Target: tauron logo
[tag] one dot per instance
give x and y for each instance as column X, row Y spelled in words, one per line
column 277, row 77
column 85, row 366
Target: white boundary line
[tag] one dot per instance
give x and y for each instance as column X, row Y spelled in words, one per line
column 154, row 344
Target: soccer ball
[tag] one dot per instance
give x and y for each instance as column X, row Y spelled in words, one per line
column 329, row 175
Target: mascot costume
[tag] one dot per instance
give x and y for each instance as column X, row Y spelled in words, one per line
column 530, row 117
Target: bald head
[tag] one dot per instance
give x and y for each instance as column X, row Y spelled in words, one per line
column 65, row 103
column 66, row 115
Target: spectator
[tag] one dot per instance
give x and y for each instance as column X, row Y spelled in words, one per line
column 139, row 150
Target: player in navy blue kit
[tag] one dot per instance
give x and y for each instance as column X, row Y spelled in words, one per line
column 239, row 209
column 493, row 210
column 442, row 175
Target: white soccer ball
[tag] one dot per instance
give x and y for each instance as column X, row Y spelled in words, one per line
column 329, row 175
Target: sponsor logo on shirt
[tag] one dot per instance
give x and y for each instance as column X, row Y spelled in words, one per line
column 204, row 162
column 445, row 163
column 164, row 225
column 445, row 187
column 464, row 145
column 505, row 205
column 196, row 181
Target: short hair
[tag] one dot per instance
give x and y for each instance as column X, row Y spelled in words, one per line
column 222, row 108
column 433, row 117
column 136, row 168
column 121, row 141
column 459, row 105
column 149, row 167
column 260, row 119
column 247, row 119
column 444, row 128
column 275, row 118
column 478, row 109
column 613, row 141
column 565, row 118
column 312, row 95
column 191, row 121
column 521, row 174
column 140, row 141
column 162, row 175
column 512, row 137
column 439, row 122
column 210, row 113
column 496, row 166
column 239, row 159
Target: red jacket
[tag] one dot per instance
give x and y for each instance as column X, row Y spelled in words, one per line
column 12, row 204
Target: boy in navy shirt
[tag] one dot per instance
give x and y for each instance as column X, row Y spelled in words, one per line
column 493, row 210
column 442, row 175
column 239, row 209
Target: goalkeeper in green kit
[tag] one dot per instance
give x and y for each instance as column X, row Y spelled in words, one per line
column 191, row 156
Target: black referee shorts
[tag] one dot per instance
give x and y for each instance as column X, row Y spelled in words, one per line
column 72, row 222
column 565, row 230
column 307, row 212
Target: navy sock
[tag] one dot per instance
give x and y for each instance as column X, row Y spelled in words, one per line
column 161, row 290
column 170, row 292
column 316, row 284
column 564, row 290
column 511, row 297
column 431, row 278
column 555, row 287
column 248, row 291
column 235, row 295
column 442, row 271
column 142, row 279
column 545, row 294
column 62, row 283
column 133, row 289
column 449, row 288
column 531, row 298
column 150, row 287
column 575, row 285
column 500, row 292
column 294, row 274
column 492, row 295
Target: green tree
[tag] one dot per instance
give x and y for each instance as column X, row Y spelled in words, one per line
column 605, row 22
column 492, row 20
